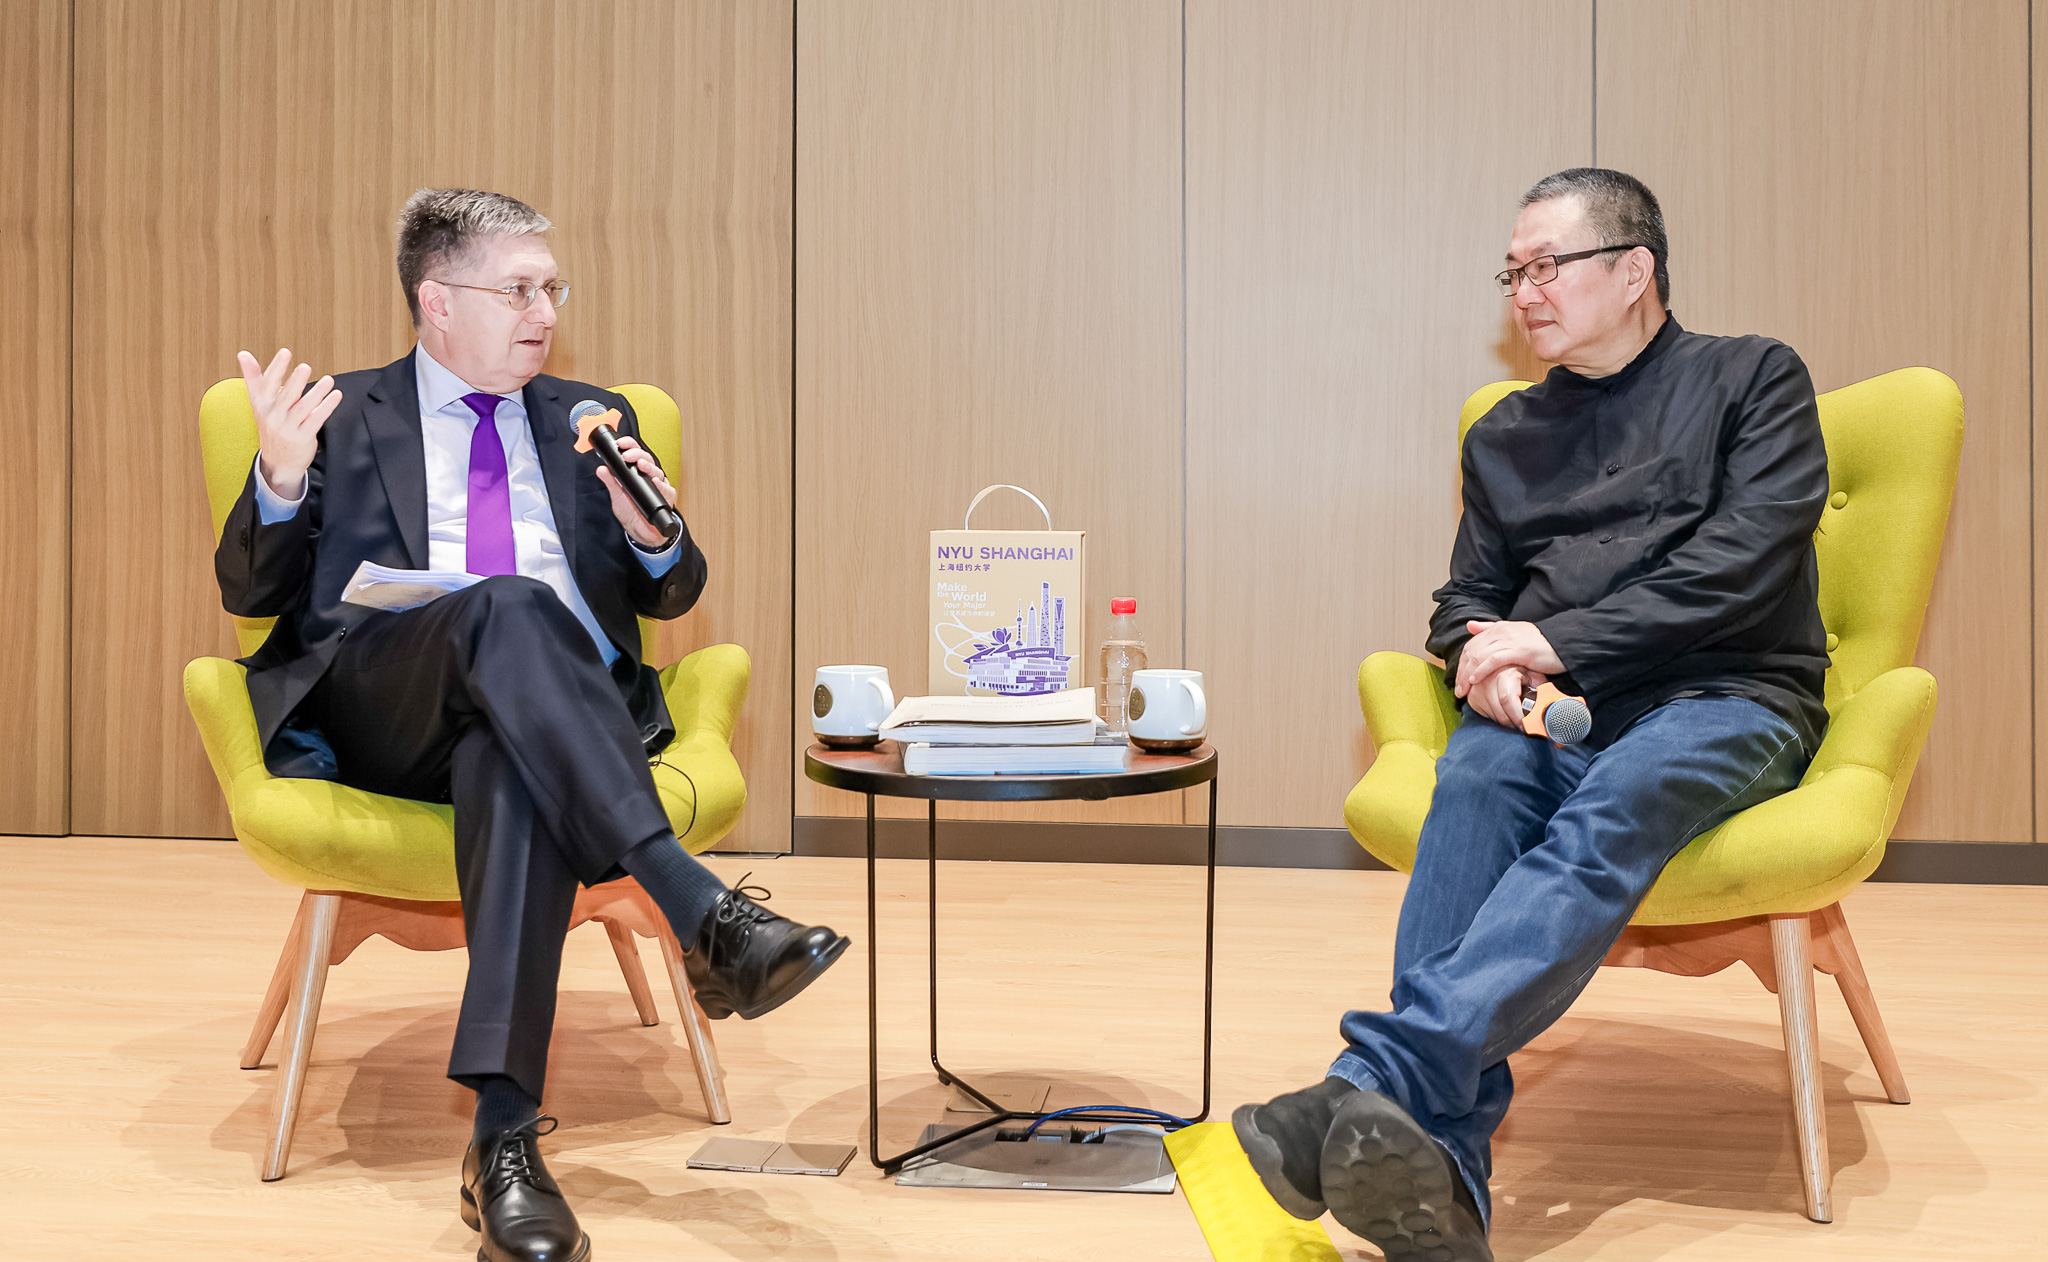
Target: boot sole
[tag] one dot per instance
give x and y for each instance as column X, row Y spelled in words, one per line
column 474, row 1221
column 1264, row 1155
column 718, row 1010
column 1385, row 1179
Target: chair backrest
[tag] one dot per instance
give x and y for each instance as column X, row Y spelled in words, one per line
column 1893, row 444
column 227, row 444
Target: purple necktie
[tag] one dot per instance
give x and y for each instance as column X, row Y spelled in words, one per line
column 489, row 529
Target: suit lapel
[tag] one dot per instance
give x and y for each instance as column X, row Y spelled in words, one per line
column 392, row 415
column 548, row 417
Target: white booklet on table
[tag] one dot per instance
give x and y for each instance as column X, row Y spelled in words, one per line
column 1058, row 718
column 377, row 586
column 1106, row 754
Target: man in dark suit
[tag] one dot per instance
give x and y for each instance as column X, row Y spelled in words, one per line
column 521, row 699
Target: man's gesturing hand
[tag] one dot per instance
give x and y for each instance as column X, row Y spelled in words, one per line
column 288, row 419
column 623, row 506
column 1497, row 644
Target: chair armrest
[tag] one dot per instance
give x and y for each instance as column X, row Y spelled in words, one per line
column 1805, row 849
column 1404, row 699
column 705, row 692
column 217, row 693
column 700, row 782
column 1882, row 729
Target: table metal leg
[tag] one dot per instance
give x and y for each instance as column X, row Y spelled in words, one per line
column 1209, row 962
column 874, row 1074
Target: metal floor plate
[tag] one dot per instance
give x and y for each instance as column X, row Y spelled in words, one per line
column 1118, row 1159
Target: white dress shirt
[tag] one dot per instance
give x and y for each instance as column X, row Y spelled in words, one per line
column 447, row 424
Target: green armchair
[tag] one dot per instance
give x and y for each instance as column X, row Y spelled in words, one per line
column 1765, row 887
column 370, row 864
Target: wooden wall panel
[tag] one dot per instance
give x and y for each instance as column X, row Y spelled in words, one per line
column 1851, row 177
column 2038, row 242
column 35, row 428
column 1352, row 176
column 988, row 290
column 240, row 165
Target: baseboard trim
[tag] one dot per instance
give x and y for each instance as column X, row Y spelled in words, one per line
column 1242, row 846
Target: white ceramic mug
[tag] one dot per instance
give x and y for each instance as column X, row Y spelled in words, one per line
column 849, row 704
column 1169, row 710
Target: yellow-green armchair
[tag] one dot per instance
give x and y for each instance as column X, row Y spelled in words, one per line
column 371, row 864
column 1765, row 888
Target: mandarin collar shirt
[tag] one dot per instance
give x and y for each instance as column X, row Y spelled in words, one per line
column 1657, row 527
column 447, row 425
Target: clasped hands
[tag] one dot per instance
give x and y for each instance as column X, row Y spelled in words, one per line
column 1499, row 661
column 289, row 414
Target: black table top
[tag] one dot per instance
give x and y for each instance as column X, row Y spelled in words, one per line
column 880, row 771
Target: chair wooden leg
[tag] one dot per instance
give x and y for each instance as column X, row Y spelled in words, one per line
column 280, row 990
column 636, row 976
column 1862, row 1004
column 696, row 1030
column 1792, row 952
column 316, row 942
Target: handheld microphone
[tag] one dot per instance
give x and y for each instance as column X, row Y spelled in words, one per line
column 1565, row 719
column 595, row 425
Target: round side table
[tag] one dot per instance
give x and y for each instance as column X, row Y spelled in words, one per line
column 879, row 772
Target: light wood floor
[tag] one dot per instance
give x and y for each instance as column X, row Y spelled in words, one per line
column 1651, row 1123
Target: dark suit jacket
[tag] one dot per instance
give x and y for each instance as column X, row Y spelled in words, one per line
column 366, row 500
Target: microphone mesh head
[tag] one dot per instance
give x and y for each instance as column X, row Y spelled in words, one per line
column 589, row 407
column 1568, row 721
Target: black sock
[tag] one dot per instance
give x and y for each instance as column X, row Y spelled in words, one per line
column 683, row 888
column 501, row 1104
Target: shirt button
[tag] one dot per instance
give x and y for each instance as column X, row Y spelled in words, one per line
column 1607, row 538
column 1613, row 469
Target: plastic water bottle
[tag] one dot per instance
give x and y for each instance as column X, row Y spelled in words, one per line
column 1122, row 653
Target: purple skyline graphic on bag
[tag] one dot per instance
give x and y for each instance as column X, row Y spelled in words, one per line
column 1026, row 660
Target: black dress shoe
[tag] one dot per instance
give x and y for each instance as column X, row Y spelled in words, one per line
column 1284, row 1140
column 508, row 1195
column 747, row 959
column 1386, row 1179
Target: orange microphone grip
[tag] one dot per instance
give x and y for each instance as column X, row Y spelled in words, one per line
column 586, row 425
column 1550, row 712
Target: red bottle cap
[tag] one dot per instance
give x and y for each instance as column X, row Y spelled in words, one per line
column 1123, row 605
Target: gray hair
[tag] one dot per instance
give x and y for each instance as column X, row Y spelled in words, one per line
column 1620, row 209
column 438, row 226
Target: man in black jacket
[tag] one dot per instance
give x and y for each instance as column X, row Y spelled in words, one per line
column 1638, row 529
column 522, row 698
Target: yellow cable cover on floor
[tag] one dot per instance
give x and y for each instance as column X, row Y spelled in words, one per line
column 1237, row 1217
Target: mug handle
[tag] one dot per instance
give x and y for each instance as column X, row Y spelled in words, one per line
column 1201, row 721
column 888, row 701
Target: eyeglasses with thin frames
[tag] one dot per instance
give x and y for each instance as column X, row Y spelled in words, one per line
column 520, row 296
column 1542, row 269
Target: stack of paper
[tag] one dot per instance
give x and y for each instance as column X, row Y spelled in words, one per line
column 381, row 587
column 1053, row 734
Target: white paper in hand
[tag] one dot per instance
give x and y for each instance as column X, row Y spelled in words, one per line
column 381, row 587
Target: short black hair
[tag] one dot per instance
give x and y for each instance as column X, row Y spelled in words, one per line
column 438, row 225
column 1621, row 210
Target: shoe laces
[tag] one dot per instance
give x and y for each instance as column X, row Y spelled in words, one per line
column 516, row 1152
column 745, row 906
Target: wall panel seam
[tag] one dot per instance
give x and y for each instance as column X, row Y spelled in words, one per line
column 796, row 13
column 1186, row 655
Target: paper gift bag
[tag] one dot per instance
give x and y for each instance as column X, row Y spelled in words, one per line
column 1006, row 608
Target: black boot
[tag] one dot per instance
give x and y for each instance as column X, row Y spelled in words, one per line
column 1386, row 1179
column 1284, row 1139
column 508, row 1195
column 747, row 959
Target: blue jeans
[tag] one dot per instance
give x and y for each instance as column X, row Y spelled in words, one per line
column 1531, row 862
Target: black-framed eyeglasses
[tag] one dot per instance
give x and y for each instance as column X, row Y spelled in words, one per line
column 1542, row 269
column 520, row 296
